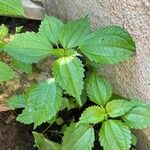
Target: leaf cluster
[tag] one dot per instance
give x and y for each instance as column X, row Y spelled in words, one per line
column 6, row 72
column 15, row 8
column 74, row 49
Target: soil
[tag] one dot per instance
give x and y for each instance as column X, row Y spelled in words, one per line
column 12, row 23
column 14, row 135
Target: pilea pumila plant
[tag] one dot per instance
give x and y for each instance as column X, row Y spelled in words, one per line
column 9, row 8
column 75, row 52
column 6, row 71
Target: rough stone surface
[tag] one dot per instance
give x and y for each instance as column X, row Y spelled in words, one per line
column 130, row 79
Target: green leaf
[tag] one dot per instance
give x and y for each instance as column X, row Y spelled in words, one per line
column 93, row 115
column 115, row 135
column 50, row 27
column 84, row 97
column 17, row 101
column 52, row 120
column 23, row 67
column 63, row 129
column 119, row 107
column 138, row 102
column 45, row 144
column 69, row 104
column 11, row 7
column 69, row 73
column 78, row 137
column 138, row 117
column 59, row 121
column 3, row 31
column 18, row 29
column 6, row 73
column 133, row 140
column 29, row 47
column 44, row 101
column 108, row 45
column 99, row 90
column 74, row 32
column 27, row 118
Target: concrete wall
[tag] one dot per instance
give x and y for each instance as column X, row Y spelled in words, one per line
column 130, row 79
column 33, row 10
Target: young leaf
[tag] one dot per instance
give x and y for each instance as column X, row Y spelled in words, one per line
column 138, row 117
column 59, row 121
column 69, row 104
column 133, row 140
column 99, row 90
column 62, row 52
column 11, row 7
column 108, row 45
column 69, row 73
column 18, row 29
column 3, row 31
column 45, row 144
column 119, row 107
column 23, row 67
column 29, row 47
column 44, row 101
column 115, row 135
column 93, row 115
column 74, row 32
column 50, row 28
column 6, row 73
column 78, row 137
column 17, row 101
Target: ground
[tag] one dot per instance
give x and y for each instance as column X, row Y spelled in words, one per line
column 14, row 135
